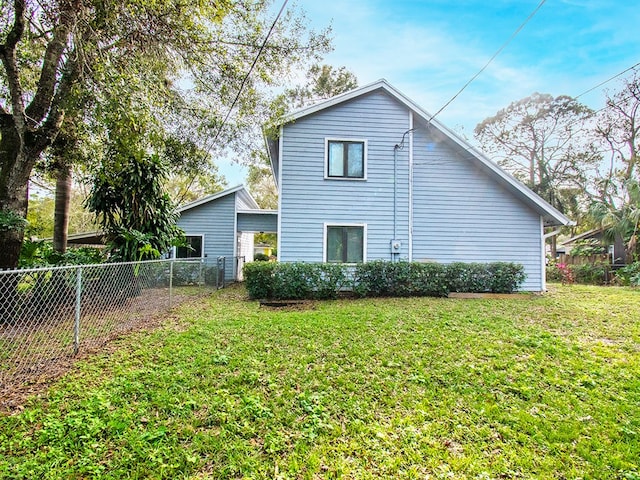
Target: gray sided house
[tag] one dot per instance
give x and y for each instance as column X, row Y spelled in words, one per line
column 223, row 225
column 368, row 175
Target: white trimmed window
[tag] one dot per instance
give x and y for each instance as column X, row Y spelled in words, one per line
column 345, row 243
column 192, row 248
column 346, row 158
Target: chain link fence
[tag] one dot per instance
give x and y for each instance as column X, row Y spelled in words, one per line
column 47, row 315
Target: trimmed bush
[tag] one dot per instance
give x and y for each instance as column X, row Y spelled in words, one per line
column 506, row 277
column 468, row 277
column 399, row 279
column 259, row 278
column 295, row 281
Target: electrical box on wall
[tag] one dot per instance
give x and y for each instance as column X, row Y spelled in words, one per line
column 396, row 246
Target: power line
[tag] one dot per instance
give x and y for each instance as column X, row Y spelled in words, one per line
column 513, row 35
column 607, row 80
column 242, row 85
column 246, row 77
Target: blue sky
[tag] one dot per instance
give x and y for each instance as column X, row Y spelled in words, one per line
column 430, row 49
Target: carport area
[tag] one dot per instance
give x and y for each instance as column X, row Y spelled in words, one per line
column 248, row 223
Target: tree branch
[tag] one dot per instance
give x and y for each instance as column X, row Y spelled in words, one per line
column 43, row 98
column 8, row 55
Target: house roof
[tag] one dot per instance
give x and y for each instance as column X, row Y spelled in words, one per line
column 594, row 233
column 550, row 214
column 85, row 238
column 241, row 190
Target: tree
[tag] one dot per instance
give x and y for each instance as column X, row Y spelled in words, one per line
column 322, row 83
column 141, row 47
column 134, row 211
column 616, row 205
column 539, row 139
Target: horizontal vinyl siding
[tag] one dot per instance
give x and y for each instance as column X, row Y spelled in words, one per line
column 308, row 201
column 460, row 214
column 216, row 221
column 258, row 222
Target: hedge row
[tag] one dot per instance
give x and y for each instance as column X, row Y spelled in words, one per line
column 295, row 281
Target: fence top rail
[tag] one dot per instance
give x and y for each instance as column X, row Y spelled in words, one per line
column 98, row 265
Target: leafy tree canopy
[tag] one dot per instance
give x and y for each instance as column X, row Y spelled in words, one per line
column 540, row 139
column 176, row 65
column 616, row 204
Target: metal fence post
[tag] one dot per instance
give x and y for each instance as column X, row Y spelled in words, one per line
column 76, row 326
column 220, row 272
column 171, row 282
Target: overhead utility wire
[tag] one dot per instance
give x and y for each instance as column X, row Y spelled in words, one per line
column 513, row 35
column 242, row 85
column 244, row 81
column 607, row 80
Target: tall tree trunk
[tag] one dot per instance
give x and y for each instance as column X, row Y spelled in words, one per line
column 15, row 168
column 554, row 246
column 62, row 204
column 620, row 254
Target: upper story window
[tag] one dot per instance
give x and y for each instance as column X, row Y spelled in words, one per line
column 346, row 158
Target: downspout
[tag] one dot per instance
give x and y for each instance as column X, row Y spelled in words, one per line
column 543, row 257
column 410, row 186
column 544, row 252
column 395, row 194
column 279, row 181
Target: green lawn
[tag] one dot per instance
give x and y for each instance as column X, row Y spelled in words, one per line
column 529, row 387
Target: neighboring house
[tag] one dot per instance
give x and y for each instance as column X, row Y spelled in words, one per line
column 223, row 225
column 369, row 175
column 596, row 236
column 218, row 225
column 263, row 249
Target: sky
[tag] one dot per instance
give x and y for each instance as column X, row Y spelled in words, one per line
column 429, row 49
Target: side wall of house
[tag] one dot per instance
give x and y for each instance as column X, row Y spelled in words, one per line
column 308, row 201
column 216, row 221
column 460, row 214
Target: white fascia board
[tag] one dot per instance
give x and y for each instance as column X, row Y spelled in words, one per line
column 258, row 211
column 248, row 198
column 210, row 198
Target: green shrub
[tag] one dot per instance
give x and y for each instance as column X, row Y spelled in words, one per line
column 40, row 253
column 260, row 257
column 589, row 273
column 468, row 277
column 259, row 278
column 586, row 274
column 294, row 281
column 629, row 275
column 379, row 279
column 553, row 273
column 506, row 277
column 399, row 279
